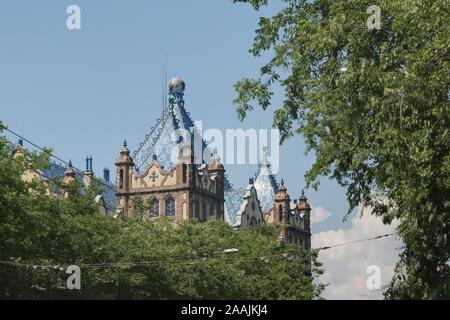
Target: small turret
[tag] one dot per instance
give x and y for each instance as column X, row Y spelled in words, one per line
column 217, row 171
column 19, row 150
column 282, row 205
column 69, row 174
column 304, row 208
column 123, row 168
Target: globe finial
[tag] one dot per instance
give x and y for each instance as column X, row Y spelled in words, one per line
column 176, row 86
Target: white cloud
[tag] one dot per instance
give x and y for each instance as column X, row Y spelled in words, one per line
column 346, row 267
column 319, row 214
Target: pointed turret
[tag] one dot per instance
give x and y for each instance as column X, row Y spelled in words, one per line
column 282, row 205
column 305, row 209
column 124, row 165
column 69, row 174
column 265, row 183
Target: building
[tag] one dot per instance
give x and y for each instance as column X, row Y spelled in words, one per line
column 175, row 182
column 105, row 199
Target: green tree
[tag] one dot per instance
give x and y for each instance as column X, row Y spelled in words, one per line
column 138, row 207
column 40, row 235
column 373, row 106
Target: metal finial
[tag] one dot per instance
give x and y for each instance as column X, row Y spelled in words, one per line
column 125, row 143
column 303, row 192
column 282, row 182
column 21, row 142
column 251, row 181
column 70, row 163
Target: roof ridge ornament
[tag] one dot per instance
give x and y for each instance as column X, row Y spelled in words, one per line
column 176, row 92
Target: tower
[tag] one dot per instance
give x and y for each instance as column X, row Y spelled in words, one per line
column 217, row 171
column 124, row 165
column 304, row 210
column 282, row 206
column 168, row 171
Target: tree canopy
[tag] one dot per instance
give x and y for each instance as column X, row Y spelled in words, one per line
column 373, row 106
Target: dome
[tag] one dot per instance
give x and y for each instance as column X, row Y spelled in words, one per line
column 176, row 85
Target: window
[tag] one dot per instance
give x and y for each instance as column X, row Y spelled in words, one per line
column 170, row 207
column 154, row 208
column 121, row 178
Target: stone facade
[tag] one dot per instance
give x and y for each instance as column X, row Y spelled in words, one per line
column 185, row 191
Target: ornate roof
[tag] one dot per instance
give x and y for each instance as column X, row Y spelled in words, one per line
column 233, row 201
column 160, row 141
column 56, row 170
column 266, row 184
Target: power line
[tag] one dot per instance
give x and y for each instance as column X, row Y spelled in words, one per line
column 145, row 262
column 355, row 241
column 56, row 182
column 56, row 157
column 186, row 261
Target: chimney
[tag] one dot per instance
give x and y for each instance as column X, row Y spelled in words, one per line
column 88, row 174
column 106, row 174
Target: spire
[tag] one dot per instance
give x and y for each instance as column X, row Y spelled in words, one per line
column 176, row 90
column 69, row 174
column 215, row 161
column 282, row 194
column 124, row 158
column 265, row 182
column 265, row 155
column 302, row 197
column 303, row 204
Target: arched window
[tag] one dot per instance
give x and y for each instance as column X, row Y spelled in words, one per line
column 170, row 207
column 121, row 178
column 154, row 208
column 280, row 213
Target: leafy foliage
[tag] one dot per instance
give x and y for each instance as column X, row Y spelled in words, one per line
column 132, row 258
column 374, row 108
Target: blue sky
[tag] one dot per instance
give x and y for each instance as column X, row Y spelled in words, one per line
column 82, row 92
